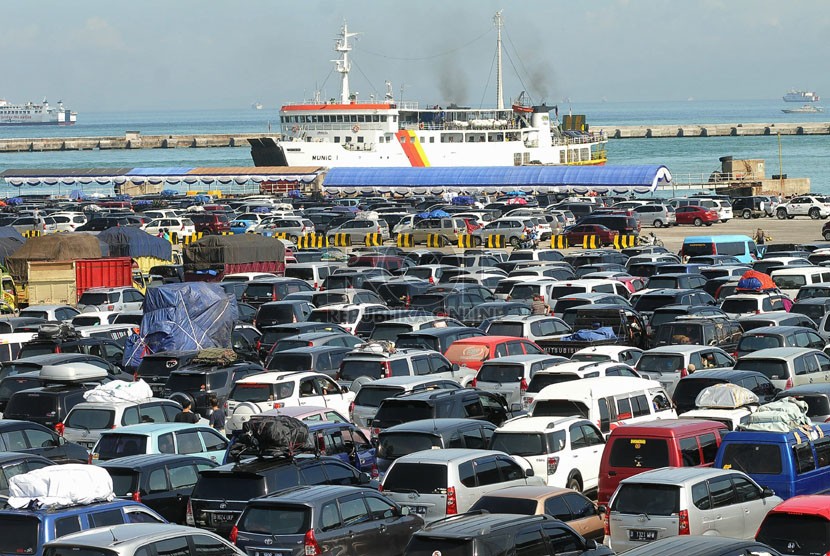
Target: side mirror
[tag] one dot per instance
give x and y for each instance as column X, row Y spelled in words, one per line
column 529, row 472
column 364, row 479
column 344, row 389
column 455, row 367
column 590, row 544
column 766, row 492
column 601, row 509
column 515, row 407
column 405, row 510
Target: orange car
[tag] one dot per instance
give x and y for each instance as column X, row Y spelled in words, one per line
column 472, row 352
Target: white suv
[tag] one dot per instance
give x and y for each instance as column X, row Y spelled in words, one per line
column 804, row 205
column 347, row 315
column 564, row 451
column 275, row 390
column 87, row 420
column 122, row 298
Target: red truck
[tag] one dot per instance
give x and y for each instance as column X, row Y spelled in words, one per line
column 63, row 282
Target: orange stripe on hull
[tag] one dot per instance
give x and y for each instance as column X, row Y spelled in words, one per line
column 407, row 143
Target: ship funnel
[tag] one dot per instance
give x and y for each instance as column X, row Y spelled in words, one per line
column 541, row 120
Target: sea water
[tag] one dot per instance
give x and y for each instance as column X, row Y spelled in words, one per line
column 801, row 156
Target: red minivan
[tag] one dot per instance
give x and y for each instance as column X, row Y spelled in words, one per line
column 472, row 352
column 632, row 449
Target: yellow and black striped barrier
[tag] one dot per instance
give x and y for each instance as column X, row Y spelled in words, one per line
column 495, row 241
column 405, row 240
column 184, row 239
column 466, row 241
column 226, row 233
column 340, row 239
column 622, row 242
column 559, row 242
column 31, row 233
column 312, row 241
column 280, row 235
column 591, row 242
column 435, row 240
column 374, row 239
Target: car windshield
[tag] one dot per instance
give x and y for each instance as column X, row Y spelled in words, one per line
column 752, row 459
column 505, row 505
column 113, row 446
column 660, row 363
column 31, row 405
column 259, row 290
column 651, row 302
column 419, row 342
column 282, row 519
column 392, row 445
column 82, row 320
column 758, row 341
column 432, row 546
column 19, row 534
column 662, row 317
column 540, row 380
column 739, row 305
column 559, row 408
column 351, row 369
column 371, row 396
column 698, row 249
column 124, row 481
column 646, row 453
column 292, row 362
column 193, row 382
column 506, row 329
column 276, row 314
column 344, row 316
column 636, row 498
column 523, row 292
column 96, row 298
column 818, row 405
column 681, row 333
column 221, row 486
column 496, row 372
column 773, row 369
column 389, row 331
column 815, row 312
column 590, row 357
column 255, row 392
column 90, row 418
column 810, row 533
column 303, row 273
column 422, row 478
column 394, row 412
column 686, row 391
column 526, row 443
column 322, row 299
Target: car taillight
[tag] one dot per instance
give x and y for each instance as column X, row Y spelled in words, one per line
column 683, row 522
column 59, row 428
column 273, row 296
column 386, row 369
column 407, row 301
column 58, row 348
column 474, row 382
column 137, row 496
column 375, row 432
column 278, row 405
column 606, row 522
column 89, row 459
column 523, row 386
column 431, row 281
column 452, row 503
column 684, row 372
column 316, row 286
column 789, row 383
column 310, row 546
column 351, row 411
column 374, row 472
column 234, row 534
column 258, row 342
column 553, row 463
column 442, row 314
column 188, row 516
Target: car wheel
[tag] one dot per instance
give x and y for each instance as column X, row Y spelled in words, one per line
column 658, row 223
column 514, row 241
column 476, row 241
column 782, row 214
column 698, row 222
column 747, row 214
column 815, row 214
column 574, row 482
column 293, row 239
column 826, row 235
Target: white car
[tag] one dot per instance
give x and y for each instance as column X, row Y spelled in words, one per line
column 275, row 390
column 804, row 205
column 68, row 221
column 182, row 226
column 621, row 354
column 122, row 298
column 94, row 318
column 570, row 371
column 346, row 315
column 564, row 451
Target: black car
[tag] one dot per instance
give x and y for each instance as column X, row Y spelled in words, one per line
column 688, row 387
column 322, row 359
column 352, row 277
column 272, row 334
column 104, row 348
column 431, row 434
column 481, row 532
column 707, row 545
column 264, row 290
column 779, row 336
column 436, row 339
column 397, row 291
column 453, row 300
column 162, row 482
column 281, row 312
column 464, row 403
column 676, row 280
column 47, row 405
column 307, row 517
column 155, row 368
column 221, row 493
column 33, row 438
column 9, row 325
column 719, row 332
column 652, row 300
column 16, row 463
column 198, row 382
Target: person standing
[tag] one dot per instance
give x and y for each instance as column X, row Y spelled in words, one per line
column 538, row 307
column 186, row 415
column 760, row 237
column 217, row 416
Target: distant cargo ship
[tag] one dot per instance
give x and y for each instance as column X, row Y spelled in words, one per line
column 805, row 109
column 35, row 114
column 801, row 96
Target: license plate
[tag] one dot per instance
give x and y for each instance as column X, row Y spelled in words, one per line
column 223, row 518
column 640, row 535
column 419, row 510
column 265, row 553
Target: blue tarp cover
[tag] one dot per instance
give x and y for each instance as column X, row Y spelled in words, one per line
column 433, row 214
column 8, row 231
column 8, row 245
column 128, row 241
column 602, row 333
column 188, row 316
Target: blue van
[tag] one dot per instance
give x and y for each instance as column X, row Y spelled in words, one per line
column 790, row 463
column 26, row 531
column 742, row 247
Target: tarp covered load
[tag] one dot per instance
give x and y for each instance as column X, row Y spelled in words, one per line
column 211, row 251
column 129, row 241
column 755, row 281
column 60, row 485
column 8, row 245
column 781, row 415
column 188, row 316
column 120, row 391
column 278, row 435
column 601, row 333
column 67, row 246
column 9, row 231
column 725, row 396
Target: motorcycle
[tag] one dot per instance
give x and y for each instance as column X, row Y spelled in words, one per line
column 650, row 240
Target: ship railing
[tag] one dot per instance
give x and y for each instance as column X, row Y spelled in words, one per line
column 714, row 179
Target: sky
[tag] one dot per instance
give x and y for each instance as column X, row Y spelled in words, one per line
column 104, row 55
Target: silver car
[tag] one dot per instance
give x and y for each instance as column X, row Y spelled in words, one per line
column 686, row 501
column 359, row 228
column 368, row 398
column 295, row 227
column 141, row 539
column 656, row 215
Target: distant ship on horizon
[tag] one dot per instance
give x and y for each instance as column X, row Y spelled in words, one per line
column 35, row 114
column 801, row 96
column 256, row 105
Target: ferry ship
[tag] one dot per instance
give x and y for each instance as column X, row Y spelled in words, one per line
column 801, row 96
column 352, row 132
column 35, row 114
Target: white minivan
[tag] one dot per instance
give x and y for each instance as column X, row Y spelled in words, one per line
column 790, row 279
column 609, row 401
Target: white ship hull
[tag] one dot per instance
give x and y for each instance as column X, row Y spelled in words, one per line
column 35, row 114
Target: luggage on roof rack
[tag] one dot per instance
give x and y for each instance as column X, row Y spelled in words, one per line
column 55, row 330
column 376, row 347
column 725, row 396
column 60, row 485
column 215, row 356
column 275, row 436
column 784, row 415
column 75, row 371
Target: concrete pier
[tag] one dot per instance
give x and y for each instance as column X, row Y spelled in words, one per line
column 131, row 140
column 713, row 130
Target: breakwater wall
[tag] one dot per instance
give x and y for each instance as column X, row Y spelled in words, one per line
column 131, row 140
column 712, row 130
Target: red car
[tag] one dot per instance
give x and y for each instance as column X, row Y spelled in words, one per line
column 696, row 215
column 575, row 234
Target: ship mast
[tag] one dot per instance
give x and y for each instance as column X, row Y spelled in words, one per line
column 343, row 65
column 499, row 97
